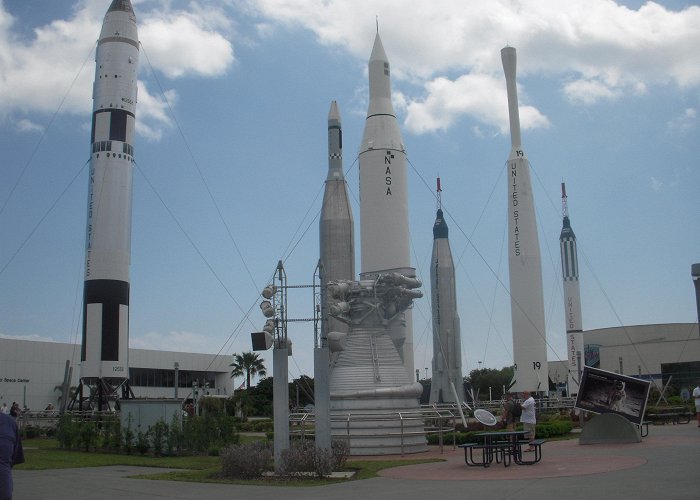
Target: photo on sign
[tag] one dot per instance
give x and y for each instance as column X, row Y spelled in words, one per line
column 607, row 392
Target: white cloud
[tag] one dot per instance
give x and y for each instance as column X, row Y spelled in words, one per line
column 172, row 341
column 685, row 121
column 472, row 95
column 590, row 91
column 597, row 49
column 182, row 44
column 25, row 125
column 54, row 69
column 33, row 337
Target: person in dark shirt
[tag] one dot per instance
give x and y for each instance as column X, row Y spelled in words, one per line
column 11, row 453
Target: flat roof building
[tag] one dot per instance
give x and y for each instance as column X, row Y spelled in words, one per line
column 658, row 352
column 32, row 373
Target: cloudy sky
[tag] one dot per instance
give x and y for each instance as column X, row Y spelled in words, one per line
column 231, row 156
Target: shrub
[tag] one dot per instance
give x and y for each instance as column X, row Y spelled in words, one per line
column 245, row 461
column 341, row 451
column 142, row 444
column 67, row 431
column 87, row 434
column 263, row 426
column 129, row 436
column 158, row 433
column 173, row 440
column 30, row 431
column 299, row 457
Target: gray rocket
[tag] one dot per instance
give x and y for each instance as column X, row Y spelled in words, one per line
column 336, row 228
column 105, row 342
column 525, row 266
column 337, row 262
column 446, row 386
column 384, row 195
column 572, row 295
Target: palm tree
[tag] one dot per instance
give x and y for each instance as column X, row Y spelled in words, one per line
column 249, row 364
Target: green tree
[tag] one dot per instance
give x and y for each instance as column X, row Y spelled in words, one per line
column 248, row 363
column 484, row 378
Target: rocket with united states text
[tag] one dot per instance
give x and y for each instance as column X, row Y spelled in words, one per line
column 524, row 262
column 105, row 342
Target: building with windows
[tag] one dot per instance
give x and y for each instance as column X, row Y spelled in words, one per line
column 32, row 373
column 660, row 352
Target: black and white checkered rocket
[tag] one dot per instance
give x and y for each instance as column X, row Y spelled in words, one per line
column 105, row 340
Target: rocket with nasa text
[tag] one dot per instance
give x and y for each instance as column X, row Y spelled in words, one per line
column 525, row 266
column 383, row 195
column 105, row 343
column 572, row 296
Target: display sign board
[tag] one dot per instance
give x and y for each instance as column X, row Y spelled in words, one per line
column 607, row 392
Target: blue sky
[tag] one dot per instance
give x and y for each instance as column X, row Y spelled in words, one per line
column 231, row 157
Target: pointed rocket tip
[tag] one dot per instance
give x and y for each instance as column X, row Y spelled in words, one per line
column 121, row 5
column 440, row 229
column 378, row 50
column 333, row 113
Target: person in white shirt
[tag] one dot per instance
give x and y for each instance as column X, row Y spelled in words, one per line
column 696, row 396
column 528, row 418
column 5, row 409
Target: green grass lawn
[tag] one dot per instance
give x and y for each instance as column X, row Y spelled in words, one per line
column 42, row 454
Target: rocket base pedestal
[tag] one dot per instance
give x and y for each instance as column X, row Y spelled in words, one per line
column 369, row 384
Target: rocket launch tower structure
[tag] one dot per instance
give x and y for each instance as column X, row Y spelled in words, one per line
column 446, row 386
column 105, row 342
column 384, row 195
column 525, row 266
column 572, row 296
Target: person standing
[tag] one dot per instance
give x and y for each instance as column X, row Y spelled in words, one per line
column 11, row 453
column 4, row 409
column 507, row 416
column 528, row 419
column 696, row 397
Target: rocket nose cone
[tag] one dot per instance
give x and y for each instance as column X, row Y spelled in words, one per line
column 440, row 229
column 334, row 114
column 121, row 5
column 509, row 59
column 378, row 53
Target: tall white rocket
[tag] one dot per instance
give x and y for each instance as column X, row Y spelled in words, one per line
column 384, row 194
column 105, row 343
column 446, row 385
column 572, row 296
column 526, row 295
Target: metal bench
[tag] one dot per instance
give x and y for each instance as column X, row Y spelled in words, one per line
column 518, row 455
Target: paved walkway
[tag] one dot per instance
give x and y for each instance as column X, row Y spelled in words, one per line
column 663, row 466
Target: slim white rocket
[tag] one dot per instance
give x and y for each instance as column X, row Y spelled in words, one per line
column 105, row 343
column 383, row 194
column 572, row 295
column 526, row 295
column 446, row 385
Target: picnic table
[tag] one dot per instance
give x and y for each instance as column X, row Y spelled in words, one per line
column 503, row 447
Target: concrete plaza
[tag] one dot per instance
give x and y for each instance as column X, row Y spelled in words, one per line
column 663, row 466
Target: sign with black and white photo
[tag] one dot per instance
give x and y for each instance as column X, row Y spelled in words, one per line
column 607, row 392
